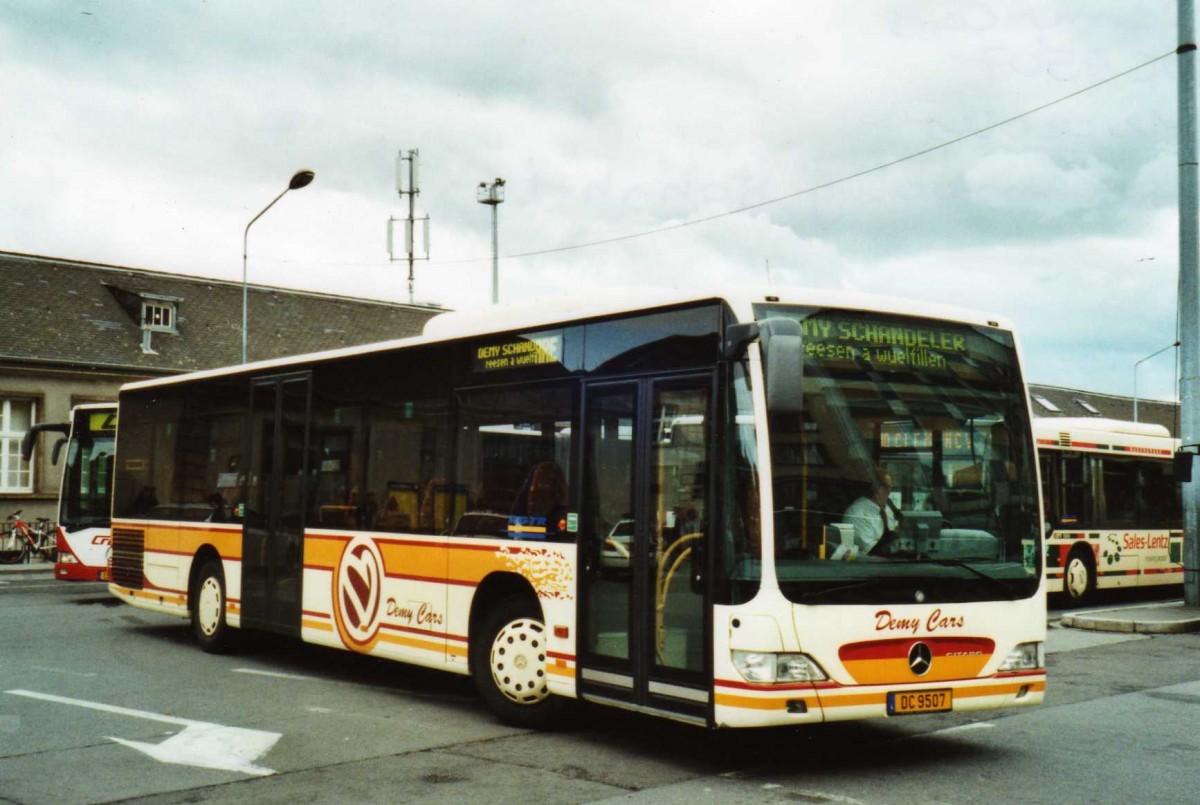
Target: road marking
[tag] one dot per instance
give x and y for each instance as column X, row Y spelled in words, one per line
column 974, row 725
column 200, row 743
column 65, row 671
column 273, row 674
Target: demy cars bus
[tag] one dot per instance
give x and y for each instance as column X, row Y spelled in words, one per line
column 1112, row 505
column 85, row 493
column 445, row 500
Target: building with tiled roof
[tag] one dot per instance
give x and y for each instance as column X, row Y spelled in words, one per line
column 73, row 332
column 1057, row 402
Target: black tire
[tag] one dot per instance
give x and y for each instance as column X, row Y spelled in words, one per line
column 508, row 663
column 1079, row 576
column 207, row 605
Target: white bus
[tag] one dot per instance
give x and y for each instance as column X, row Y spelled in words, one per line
column 85, row 492
column 1112, row 505
column 451, row 500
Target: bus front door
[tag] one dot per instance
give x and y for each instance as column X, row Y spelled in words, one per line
column 273, row 522
column 644, row 627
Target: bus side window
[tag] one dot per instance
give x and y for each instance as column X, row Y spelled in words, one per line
column 1074, row 492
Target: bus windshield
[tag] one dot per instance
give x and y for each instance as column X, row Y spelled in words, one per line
column 87, row 479
column 910, row 472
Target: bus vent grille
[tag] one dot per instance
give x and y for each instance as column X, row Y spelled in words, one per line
column 1064, row 439
column 128, row 546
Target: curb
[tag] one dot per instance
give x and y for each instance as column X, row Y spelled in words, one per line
column 1161, row 621
column 23, row 569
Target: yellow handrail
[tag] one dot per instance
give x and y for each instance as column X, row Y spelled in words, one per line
column 666, row 571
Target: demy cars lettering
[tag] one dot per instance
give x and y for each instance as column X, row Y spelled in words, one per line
column 885, row 621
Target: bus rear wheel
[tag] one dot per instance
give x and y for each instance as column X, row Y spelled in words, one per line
column 508, row 663
column 1079, row 576
column 208, row 608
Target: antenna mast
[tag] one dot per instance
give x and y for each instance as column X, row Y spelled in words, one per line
column 409, row 186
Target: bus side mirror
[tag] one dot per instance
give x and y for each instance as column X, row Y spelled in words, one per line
column 57, row 451
column 30, row 438
column 783, row 364
column 1183, row 467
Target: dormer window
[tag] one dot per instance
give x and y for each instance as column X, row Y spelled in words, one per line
column 1045, row 403
column 158, row 316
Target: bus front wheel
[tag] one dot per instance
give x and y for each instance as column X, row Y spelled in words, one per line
column 208, row 608
column 508, row 662
column 1079, row 576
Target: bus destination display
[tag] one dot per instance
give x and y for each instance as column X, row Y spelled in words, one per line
column 519, row 352
column 882, row 343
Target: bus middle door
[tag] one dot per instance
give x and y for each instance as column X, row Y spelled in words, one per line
column 273, row 522
column 644, row 632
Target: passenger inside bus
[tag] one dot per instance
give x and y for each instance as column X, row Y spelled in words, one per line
column 544, row 495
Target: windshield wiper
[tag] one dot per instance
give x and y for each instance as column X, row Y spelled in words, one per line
column 826, row 593
column 993, row 582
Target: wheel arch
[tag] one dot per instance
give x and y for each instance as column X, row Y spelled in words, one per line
column 202, row 556
column 494, row 588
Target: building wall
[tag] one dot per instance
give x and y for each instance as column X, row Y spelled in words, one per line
column 55, row 392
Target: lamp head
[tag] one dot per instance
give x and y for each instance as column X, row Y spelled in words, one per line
column 303, row 178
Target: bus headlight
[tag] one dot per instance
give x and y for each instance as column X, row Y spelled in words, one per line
column 1025, row 657
column 765, row 666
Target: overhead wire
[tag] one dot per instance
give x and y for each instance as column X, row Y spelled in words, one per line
column 817, row 187
column 833, row 182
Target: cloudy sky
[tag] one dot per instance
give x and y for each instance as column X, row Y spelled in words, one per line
column 148, row 133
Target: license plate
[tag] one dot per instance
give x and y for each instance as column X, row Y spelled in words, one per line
column 902, row 703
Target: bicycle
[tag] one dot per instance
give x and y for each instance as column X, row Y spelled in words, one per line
column 24, row 541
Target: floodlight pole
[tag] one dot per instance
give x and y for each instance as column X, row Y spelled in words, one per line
column 302, row 178
column 1189, row 302
column 493, row 195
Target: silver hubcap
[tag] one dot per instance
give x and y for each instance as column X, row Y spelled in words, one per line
column 208, row 606
column 518, row 661
column 1077, row 577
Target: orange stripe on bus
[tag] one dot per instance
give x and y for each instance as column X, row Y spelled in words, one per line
column 756, row 703
column 830, row 698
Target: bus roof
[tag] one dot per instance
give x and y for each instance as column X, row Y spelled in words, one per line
column 1098, row 433
column 549, row 311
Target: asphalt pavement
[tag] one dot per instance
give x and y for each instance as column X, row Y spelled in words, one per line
column 1167, row 617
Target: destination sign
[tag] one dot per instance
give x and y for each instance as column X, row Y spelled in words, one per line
column 519, row 352
column 882, row 342
column 103, row 422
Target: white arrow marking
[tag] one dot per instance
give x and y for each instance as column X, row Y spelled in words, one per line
column 212, row 746
column 201, row 743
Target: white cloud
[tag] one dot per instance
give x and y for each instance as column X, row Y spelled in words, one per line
column 1032, row 183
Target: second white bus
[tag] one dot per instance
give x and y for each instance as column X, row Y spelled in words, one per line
column 83, row 539
column 1112, row 505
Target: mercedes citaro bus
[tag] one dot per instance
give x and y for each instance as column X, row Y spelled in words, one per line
column 642, row 504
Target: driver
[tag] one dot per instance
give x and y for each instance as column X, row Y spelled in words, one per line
column 872, row 515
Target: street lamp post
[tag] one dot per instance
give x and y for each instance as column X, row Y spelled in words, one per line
column 302, row 178
column 1135, row 368
column 493, row 195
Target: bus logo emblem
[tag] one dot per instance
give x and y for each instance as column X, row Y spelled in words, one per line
column 357, row 592
column 919, row 659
